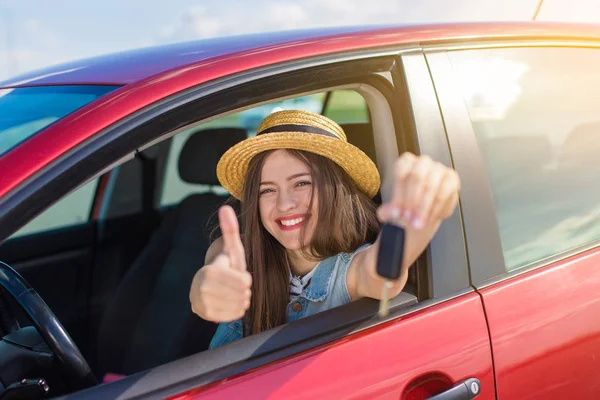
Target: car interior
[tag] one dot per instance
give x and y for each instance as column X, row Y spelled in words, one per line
column 119, row 281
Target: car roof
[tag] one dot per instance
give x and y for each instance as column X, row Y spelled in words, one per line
column 135, row 65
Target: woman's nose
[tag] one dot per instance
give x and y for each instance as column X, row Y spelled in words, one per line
column 286, row 202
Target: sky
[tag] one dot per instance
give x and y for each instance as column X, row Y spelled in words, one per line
column 38, row 33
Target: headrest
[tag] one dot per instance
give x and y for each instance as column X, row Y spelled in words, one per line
column 361, row 135
column 202, row 151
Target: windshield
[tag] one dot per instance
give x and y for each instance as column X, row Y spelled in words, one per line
column 25, row 111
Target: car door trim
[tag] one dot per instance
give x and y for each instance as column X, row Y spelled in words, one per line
column 448, row 247
column 507, row 43
column 238, row 357
column 485, row 256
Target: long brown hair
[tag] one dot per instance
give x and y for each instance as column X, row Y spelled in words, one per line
column 340, row 204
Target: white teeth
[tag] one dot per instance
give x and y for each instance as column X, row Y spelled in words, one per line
column 291, row 222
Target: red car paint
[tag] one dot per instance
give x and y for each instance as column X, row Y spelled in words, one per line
column 543, row 333
column 425, row 343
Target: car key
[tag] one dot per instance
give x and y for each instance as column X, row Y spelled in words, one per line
column 389, row 261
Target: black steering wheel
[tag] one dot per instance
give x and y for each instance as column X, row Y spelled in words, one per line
column 74, row 365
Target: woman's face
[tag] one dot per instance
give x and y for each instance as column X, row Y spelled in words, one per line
column 286, row 187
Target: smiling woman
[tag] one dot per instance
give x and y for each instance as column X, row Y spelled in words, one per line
column 26, row 111
column 298, row 178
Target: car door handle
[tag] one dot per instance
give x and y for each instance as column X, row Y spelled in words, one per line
column 463, row 390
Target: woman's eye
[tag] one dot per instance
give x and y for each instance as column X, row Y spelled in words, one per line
column 303, row 183
column 265, row 191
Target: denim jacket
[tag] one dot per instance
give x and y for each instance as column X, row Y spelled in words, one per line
column 327, row 289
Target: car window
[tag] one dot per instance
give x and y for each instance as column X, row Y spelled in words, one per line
column 25, row 111
column 74, row 209
column 535, row 116
column 347, row 107
column 174, row 189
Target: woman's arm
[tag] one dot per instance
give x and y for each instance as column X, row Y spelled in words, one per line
column 424, row 194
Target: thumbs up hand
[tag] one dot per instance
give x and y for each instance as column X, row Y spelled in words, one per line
column 220, row 290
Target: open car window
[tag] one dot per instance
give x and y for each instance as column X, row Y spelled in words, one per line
column 343, row 106
column 25, row 111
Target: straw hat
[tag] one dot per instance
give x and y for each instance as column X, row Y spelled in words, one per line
column 299, row 130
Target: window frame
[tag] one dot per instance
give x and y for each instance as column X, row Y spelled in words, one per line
column 485, row 256
column 330, row 99
column 198, row 105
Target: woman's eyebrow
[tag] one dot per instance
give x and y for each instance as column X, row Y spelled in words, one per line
column 289, row 178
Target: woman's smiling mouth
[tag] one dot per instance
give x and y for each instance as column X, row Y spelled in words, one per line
column 292, row 222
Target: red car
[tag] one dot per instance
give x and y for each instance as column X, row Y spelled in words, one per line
column 108, row 189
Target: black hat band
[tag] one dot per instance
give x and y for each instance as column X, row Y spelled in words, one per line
column 297, row 128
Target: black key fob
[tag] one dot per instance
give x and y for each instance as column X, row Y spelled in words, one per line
column 391, row 251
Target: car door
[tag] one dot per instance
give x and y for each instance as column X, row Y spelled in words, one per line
column 417, row 351
column 524, row 128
